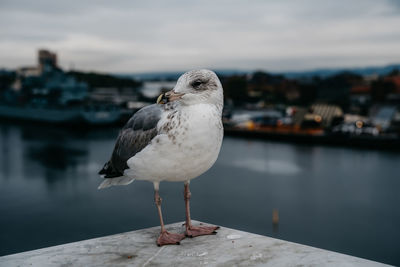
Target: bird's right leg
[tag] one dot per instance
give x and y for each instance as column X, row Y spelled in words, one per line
column 165, row 238
column 193, row 231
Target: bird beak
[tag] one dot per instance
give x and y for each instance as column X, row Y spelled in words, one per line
column 169, row 97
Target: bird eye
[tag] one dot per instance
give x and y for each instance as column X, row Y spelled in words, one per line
column 196, row 83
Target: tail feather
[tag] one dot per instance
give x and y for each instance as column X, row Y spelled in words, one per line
column 113, row 176
column 123, row 180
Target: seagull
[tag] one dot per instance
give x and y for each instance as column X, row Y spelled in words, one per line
column 177, row 139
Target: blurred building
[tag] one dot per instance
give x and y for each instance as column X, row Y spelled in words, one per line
column 47, row 60
column 46, row 84
column 384, row 115
column 319, row 114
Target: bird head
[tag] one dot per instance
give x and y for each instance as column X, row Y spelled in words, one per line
column 195, row 87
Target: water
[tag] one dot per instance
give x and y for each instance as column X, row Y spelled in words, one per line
column 338, row 199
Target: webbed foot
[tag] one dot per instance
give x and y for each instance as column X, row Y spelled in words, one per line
column 167, row 238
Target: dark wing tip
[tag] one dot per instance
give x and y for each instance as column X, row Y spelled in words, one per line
column 109, row 171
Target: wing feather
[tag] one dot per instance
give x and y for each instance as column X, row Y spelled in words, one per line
column 134, row 136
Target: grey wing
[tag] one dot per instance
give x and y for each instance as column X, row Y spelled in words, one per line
column 134, row 136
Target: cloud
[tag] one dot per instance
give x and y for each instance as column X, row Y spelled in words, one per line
column 179, row 35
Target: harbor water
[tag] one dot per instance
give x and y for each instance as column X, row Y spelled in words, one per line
column 336, row 198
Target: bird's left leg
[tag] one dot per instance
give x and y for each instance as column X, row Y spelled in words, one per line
column 193, row 231
column 165, row 238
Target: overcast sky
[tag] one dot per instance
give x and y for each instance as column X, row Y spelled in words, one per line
column 133, row 36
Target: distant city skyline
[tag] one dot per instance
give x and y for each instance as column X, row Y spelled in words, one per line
column 127, row 36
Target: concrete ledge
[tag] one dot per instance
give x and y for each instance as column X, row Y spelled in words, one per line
column 228, row 248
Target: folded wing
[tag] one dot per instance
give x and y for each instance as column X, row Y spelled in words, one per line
column 134, row 136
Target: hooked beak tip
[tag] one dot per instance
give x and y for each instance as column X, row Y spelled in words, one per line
column 160, row 99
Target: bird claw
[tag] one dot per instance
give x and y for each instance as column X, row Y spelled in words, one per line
column 167, row 238
column 194, row 231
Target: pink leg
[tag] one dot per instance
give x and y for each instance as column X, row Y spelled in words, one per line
column 165, row 238
column 193, row 231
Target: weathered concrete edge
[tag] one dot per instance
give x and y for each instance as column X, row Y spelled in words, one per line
column 17, row 257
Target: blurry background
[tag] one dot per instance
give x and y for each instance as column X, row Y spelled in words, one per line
column 312, row 118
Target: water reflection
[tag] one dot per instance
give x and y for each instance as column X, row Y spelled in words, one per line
column 56, row 156
column 334, row 198
column 275, row 167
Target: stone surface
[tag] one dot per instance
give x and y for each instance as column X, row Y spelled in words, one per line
column 138, row 248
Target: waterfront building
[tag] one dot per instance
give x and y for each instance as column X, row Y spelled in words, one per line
column 46, row 84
